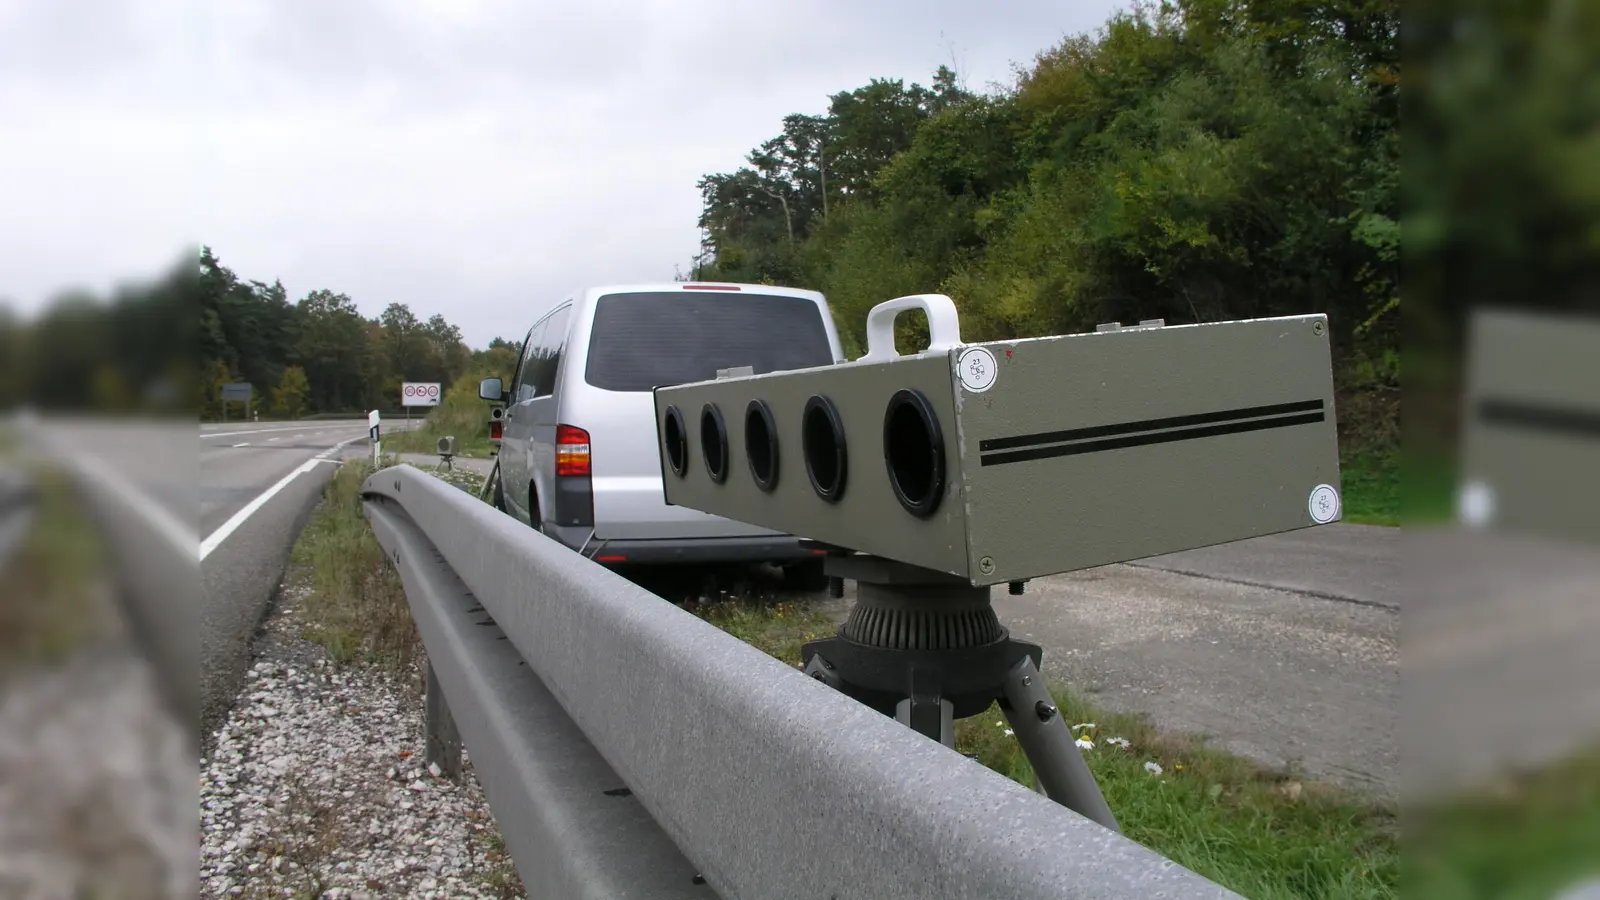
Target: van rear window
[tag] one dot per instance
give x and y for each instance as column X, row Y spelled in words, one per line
column 643, row 341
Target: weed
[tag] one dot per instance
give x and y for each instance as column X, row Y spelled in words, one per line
column 356, row 607
column 51, row 591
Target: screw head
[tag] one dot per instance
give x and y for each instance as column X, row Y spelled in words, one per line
column 986, row 565
column 1044, row 711
column 1317, row 328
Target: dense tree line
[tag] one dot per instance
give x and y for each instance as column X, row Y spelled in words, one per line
column 1197, row 160
column 131, row 351
column 318, row 354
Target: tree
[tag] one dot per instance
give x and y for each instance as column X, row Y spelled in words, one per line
column 289, row 397
column 1192, row 160
column 332, row 350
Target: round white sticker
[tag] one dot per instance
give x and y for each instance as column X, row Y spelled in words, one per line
column 1475, row 506
column 1324, row 504
column 978, row 369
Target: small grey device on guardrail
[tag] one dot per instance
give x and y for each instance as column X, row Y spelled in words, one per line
column 934, row 476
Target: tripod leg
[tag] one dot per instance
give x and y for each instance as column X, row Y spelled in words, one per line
column 1047, row 742
column 930, row 717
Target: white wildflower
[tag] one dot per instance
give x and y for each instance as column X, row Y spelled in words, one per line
column 1085, row 744
column 1153, row 768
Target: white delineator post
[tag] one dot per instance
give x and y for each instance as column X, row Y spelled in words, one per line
column 374, row 436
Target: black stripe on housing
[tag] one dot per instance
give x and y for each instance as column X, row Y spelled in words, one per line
column 1160, row 437
column 1096, row 431
column 1551, row 419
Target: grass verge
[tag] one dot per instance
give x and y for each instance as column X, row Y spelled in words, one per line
column 460, row 414
column 1260, row 832
column 1371, row 487
column 1532, row 836
column 356, row 608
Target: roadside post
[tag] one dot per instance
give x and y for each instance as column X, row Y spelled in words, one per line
column 375, row 437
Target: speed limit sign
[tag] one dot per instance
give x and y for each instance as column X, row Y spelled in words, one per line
column 413, row 393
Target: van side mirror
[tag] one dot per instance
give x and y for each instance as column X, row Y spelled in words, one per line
column 490, row 389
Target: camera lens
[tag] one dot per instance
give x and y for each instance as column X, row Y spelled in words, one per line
column 822, row 444
column 913, row 452
column 714, row 442
column 676, row 437
column 761, row 444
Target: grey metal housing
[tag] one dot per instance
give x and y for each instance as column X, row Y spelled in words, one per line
column 1063, row 453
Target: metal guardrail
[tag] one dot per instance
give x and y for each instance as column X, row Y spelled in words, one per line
column 157, row 573
column 17, row 497
column 642, row 751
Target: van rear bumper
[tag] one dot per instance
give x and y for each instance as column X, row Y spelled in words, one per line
column 775, row 549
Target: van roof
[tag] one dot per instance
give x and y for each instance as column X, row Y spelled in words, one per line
column 696, row 286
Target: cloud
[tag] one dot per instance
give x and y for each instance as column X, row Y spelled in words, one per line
column 478, row 158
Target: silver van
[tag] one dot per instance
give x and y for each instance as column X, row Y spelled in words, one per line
column 578, row 453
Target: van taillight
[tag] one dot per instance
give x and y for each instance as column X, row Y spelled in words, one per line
column 572, row 451
column 496, row 429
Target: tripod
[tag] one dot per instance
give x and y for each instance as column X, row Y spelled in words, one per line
column 927, row 648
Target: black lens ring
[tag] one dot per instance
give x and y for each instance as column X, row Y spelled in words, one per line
column 710, row 413
column 678, row 462
column 819, row 404
column 758, row 411
column 929, row 504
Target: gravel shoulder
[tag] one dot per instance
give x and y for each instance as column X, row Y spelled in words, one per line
column 316, row 786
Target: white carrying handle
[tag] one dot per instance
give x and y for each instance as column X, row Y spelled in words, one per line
column 944, row 325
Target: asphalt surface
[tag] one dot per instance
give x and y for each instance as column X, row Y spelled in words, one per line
column 1290, row 678
column 1502, row 656
column 1355, row 563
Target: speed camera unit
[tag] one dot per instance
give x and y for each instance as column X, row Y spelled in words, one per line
column 1008, row 460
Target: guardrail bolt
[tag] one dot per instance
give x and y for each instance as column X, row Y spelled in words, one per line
column 1045, row 711
column 986, row 565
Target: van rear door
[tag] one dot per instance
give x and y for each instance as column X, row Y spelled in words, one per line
column 642, row 340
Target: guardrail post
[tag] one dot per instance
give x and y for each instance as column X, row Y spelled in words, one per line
column 443, row 742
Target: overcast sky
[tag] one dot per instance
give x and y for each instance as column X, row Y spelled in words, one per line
column 478, row 158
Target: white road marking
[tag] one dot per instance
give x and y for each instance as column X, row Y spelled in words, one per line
column 328, row 453
column 216, row 434
column 274, row 439
column 245, row 444
column 298, row 436
column 229, row 527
